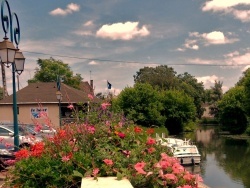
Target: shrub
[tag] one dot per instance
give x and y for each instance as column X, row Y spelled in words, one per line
column 112, row 146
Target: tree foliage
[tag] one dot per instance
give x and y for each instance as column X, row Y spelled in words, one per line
column 232, row 114
column 162, row 77
column 147, row 106
column 215, row 94
column 179, row 109
column 165, row 78
column 141, row 104
column 50, row 69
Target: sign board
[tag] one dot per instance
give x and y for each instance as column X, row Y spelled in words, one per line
column 38, row 112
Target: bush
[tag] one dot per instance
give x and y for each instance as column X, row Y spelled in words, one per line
column 112, row 146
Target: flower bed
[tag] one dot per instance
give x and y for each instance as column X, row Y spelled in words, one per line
column 103, row 144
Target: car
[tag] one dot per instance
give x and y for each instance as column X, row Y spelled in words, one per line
column 6, row 154
column 26, row 136
column 41, row 129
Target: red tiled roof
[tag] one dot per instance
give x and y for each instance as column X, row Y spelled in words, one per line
column 45, row 92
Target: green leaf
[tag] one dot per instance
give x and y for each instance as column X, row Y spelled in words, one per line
column 119, row 176
column 77, row 174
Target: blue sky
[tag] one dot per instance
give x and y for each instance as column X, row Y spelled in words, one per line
column 112, row 39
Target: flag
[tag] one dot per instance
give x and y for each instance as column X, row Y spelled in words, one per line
column 109, row 85
column 58, row 83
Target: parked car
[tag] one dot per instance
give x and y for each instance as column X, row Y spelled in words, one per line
column 43, row 129
column 26, row 136
column 6, row 153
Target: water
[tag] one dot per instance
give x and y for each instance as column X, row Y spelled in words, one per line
column 225, row 161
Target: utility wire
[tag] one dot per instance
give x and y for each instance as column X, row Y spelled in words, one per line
column 120, row 61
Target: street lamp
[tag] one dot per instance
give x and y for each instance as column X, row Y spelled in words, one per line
column 12, row 56
column 59, row 98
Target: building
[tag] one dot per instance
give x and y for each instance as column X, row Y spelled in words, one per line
column 38, row 103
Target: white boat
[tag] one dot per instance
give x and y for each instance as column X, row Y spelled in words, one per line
column 183, row 150
column 187, row 154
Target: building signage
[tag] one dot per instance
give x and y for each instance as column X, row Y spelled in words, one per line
column 39, row 112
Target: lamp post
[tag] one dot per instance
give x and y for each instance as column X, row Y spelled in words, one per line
column 59, row 98
column 12, row 56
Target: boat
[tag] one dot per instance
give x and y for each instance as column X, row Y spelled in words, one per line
column 186, row 152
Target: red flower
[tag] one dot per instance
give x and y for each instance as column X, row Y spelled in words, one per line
column 151, row 141
column 150, row 131
column 137, row 129
column 22, row 154
column 37, row 149
column 121, row 135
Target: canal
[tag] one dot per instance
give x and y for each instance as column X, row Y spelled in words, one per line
column 225, row 161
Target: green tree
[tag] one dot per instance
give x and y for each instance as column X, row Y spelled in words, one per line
column 190, row 85
column 215, row 95
column 162, row 77
column 179, row 110
column 50, row 69
column 231, row 111
column 141, row 104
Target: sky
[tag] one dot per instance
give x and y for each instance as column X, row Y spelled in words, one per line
column 113, row 39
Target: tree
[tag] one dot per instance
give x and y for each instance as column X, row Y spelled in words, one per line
column 179, row 110
column 162, row 77
column 190, row 85
column 50, row 69
column 231, row 111
column 216, row 94
column 141, row 104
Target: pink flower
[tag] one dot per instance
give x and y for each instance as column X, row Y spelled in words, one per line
column 10, row 162
column 139, row 167
column 105, row 105
column 126, row 152
column 151, row 141
column 108, row 162
column 91, row 97
column 151, row 150
column 185, row 186
column 171, row 177
column 7, row 145
column 70, row 106
column 95, row 171
column 199, row 178
column 1, row 139
column 65, row 158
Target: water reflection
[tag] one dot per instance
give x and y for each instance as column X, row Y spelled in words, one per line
column 225, row 161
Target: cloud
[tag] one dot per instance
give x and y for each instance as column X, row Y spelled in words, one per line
column 122, row 31
column 229, row 7
column 208, row 81
column 93, row 63
column 196, row 39
column 72, row 7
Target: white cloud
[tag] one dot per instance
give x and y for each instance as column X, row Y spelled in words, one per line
column 208, row 81
column 213, row 38
column 239, row 59
column 202, row 61
column 93, row 63
column 89, row 23
column 72, row 7
column 229, row 7
column 122, row 31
